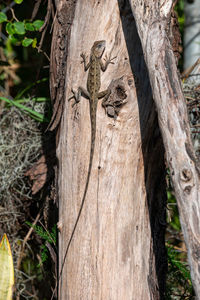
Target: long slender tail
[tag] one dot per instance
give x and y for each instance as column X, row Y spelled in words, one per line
column 93, row 135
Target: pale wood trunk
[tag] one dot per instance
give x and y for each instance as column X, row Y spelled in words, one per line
column 118, row 248
column 152, row 23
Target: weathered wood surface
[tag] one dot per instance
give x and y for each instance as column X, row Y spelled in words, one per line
column 118, row 248
column 152, row 21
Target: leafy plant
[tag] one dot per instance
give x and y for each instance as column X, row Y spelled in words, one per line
column 47, row 237
column 32, row 113
column 179, row 8
column 179, row 285
column 20, row 32
column 24, row 85
column 19, row 102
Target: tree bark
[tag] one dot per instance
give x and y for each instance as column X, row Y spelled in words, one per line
column 152, row 23
column 118, row 250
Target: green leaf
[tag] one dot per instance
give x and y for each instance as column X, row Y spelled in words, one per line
column 3, row 17
column 21, row 93
column 29, row 26
column 13, row 39
column 34, row 44
column 26, row 42
column 37, row 24
column 32, row 113
column 41, row 99
column 10, row 28
column 18, row 1
column 34, row 99
column 19, row 27
column 44, row 255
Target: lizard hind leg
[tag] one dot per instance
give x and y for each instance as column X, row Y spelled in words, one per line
column 104, row 94
column 77, row 95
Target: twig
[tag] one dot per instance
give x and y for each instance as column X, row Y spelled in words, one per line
column 9, row 6
column 13, row 14
column 45, row 54
column 54, row 18
column 26, row 239
column 46, row 23
column 35, row 10
column 47, row 17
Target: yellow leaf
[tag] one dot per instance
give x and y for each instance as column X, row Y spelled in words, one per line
column 6, row 270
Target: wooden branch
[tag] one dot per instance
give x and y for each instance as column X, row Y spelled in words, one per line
column 152, row 21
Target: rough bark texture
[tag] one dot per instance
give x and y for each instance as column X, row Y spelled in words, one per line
column 152, row 20
column 118, row 248
column 59, row 52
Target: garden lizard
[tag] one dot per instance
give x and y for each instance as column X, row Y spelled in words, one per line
column 95, row 65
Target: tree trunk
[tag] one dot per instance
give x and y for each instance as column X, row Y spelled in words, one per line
column 117, row 251
column 152, row 24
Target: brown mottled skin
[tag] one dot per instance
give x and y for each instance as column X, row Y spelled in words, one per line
column 95, row 66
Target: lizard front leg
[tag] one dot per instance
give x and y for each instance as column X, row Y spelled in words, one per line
column 77, row 95
column 108, row 60
column 81, row 91
column 86, row 65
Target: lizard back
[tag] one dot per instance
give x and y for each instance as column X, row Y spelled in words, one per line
column 94, row 76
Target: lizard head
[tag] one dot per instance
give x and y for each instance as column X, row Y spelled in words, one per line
column 98, row 48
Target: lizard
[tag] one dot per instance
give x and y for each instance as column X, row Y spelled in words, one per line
column 95, row 66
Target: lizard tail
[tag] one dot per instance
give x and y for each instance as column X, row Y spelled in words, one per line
column 93, row 135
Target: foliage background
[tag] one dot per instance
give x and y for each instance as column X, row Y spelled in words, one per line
column 24, row 114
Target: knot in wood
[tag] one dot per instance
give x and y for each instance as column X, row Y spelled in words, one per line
column 117, row 99
column 186, row 175
column 196, row 250
column 187, row 189
column 121, row 92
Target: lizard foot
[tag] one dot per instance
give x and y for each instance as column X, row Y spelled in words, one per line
column 74, row 96
column 108, row 59
column 84, row 57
